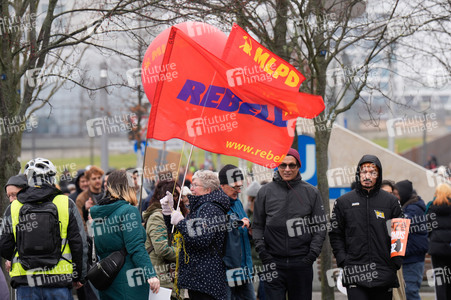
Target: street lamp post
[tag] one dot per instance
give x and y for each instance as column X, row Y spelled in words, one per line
column 104, row 137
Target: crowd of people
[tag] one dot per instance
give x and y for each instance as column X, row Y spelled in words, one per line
column 197, row 239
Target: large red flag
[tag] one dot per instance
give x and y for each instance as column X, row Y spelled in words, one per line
column 196, row 104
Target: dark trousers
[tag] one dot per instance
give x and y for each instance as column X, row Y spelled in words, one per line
column 199, row 296
column 86, row 292
column 364, row 293
column 442, row 267
column 296, row 282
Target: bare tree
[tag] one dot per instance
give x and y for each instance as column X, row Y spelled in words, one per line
column 348, row 37
column 42, row 44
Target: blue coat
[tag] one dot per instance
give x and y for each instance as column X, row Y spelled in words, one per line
column 203, row 269
column 417, row 243
column 122, row 228
column 236, row 207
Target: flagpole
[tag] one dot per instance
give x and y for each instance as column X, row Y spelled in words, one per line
column 183, row 181
column 142, row 177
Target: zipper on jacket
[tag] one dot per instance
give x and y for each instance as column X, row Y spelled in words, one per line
column 369, row 230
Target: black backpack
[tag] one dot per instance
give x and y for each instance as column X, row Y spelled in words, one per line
column 232, row 243
column 39, row 235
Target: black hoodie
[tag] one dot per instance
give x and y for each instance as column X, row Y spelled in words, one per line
column 78, row 190
column 359, row 235
column 75, row 235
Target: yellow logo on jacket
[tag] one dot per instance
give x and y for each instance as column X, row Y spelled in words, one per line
column 379, row 214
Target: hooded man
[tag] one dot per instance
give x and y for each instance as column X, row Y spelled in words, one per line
column 81, row 184
column 289, row 228
column 359, row 235
column 14, row 185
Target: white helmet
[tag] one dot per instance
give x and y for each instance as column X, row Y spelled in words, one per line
column 42, row 168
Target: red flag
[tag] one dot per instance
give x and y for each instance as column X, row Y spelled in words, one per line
column 258, row 62
column 195, row 103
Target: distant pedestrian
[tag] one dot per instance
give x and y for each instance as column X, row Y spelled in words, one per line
column 81, row 184
column 89, row 197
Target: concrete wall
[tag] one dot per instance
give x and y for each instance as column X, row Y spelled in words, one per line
column 439, row 147
column 346, row 148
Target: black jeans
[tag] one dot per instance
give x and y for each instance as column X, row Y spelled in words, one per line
column 199, row 296
column 442, row 267
column 364, row 293
column 296, row 281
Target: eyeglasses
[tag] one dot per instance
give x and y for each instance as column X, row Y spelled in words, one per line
column 236, row 187
column 194, row 185
column 14, row 196
column 291, row 166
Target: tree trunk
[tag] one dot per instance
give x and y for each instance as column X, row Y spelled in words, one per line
column 10, row 150
column 322, row 141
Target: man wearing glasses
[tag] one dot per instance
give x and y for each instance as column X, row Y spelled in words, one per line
column 289, row 229
column 231, row 180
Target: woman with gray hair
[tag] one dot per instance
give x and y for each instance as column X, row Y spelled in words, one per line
column 201, row 268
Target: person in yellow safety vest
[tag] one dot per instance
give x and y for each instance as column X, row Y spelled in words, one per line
column 47, row 275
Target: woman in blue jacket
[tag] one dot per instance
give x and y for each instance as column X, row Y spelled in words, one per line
column 117, row 225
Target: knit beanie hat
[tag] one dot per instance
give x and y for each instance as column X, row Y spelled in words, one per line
column 253, row 189
column 405, row 190
column 230, row 174
column 295, row 154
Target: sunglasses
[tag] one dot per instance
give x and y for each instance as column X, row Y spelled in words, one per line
column 292, row 166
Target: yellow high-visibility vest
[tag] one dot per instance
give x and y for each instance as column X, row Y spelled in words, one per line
column 64, row 266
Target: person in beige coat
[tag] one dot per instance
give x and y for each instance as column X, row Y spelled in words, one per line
column 159, row 242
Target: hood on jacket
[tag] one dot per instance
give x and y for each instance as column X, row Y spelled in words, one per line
column 368, row 158
column 217, row 196
column 151, row 209
column 405, row 190
column 415, row 200
column 19, row 181
column 80, row 174
column 107, row 207
column 38, row 193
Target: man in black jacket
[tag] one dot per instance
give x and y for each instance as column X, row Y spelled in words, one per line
column 289, row 229
column 43, row 275
column 359, row 236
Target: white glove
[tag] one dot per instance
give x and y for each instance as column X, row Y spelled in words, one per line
column 167, row 204
column 176, row 217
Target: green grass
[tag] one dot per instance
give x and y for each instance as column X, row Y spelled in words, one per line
column 115, row 161
column 122, row 161
column 401, row 145
column 126, row 160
